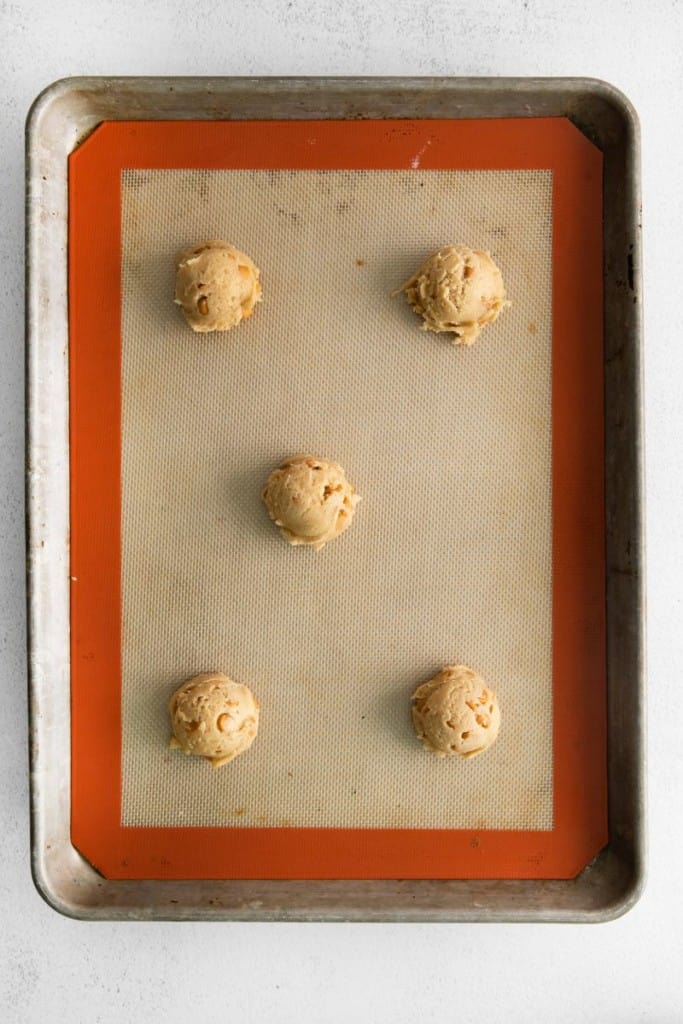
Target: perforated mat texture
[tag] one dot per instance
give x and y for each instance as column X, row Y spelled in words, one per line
column 449, row 555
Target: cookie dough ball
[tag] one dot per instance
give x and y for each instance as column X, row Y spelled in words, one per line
column 457, row 290
column 213, row 717
column 310, row 500
column 456, row 713
column 216, row 286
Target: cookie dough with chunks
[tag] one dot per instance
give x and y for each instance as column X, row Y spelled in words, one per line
column 457, row 290
column 217, row 286
column 213, row 717
column 310, row 500
column 455, row 712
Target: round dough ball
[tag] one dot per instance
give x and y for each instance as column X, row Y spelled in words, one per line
column 456, row 713
column 213, row 717
column 310, row 500
column 216, row 286
column 459, row 290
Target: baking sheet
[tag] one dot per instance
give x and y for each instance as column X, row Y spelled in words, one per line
column 75, row 790
column 449, row 556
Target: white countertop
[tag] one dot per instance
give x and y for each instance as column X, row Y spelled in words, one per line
column 53, row 969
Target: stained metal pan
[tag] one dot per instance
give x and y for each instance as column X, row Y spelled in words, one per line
column 60, row 119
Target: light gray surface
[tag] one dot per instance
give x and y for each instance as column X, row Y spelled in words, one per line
column 54, row 969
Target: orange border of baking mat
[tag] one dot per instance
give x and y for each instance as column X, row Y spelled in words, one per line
column 579, row 675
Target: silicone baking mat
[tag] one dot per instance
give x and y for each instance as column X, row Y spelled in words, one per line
column 478, row 538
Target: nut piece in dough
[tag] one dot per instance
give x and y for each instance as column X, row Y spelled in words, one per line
column 458, row 290
column 310, row 500
column 216, row 286
column 456, row 713
column 213, row 717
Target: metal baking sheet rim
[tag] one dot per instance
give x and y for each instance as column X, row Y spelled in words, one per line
column 60, row 118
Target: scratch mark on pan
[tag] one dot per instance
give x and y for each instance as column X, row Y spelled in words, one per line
column 415, row 162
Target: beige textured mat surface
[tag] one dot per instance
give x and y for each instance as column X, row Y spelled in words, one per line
column 449, row 555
